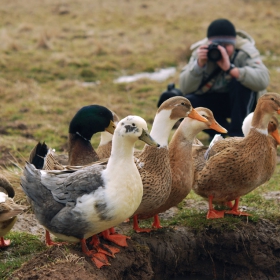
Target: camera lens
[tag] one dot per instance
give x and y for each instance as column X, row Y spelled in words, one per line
column 214, row 53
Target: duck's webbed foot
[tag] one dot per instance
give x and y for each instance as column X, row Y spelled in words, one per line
column 212, row 213
column 156, row 223
column 111, row 235
column 234, row 210
column 103, row 248
column 98, row 258
column 136, row 226
column 215, row 214
column 4, row 243
column 49, row 241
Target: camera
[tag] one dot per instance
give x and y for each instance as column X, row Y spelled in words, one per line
column 214, row 53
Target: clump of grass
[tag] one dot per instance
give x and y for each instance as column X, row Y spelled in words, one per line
column 23, row 247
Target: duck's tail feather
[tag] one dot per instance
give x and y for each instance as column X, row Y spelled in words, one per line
column 31, row 184
column 38, row 154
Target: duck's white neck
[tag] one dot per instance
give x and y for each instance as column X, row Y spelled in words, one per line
column 122, row 150
column 105, row 138
column 162, row 126
column 260, row 130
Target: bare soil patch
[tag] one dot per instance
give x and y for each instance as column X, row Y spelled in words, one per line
column 251, row 251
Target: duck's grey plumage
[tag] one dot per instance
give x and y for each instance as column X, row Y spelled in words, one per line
column 76, row 204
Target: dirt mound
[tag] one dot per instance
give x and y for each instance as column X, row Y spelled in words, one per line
column 251, row 251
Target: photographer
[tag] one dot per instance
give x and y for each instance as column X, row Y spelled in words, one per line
column 225, row 74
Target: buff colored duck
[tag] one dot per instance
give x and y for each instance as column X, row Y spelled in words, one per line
column 79, row 204
column 8, row 210
column 272, row 126
column 180, row 153
column 243, row 164
column 153, row 162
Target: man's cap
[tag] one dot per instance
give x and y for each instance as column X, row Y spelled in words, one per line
column 221, row 31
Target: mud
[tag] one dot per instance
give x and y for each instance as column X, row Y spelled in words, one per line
column 251, row 251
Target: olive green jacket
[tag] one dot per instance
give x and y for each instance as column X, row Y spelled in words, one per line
column 252, row 72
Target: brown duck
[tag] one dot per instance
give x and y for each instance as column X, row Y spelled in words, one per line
column 153, row 162
column 180, row 154
column 242, row 165
column 8, row 210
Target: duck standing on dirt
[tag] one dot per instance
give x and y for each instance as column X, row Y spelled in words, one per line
column 86, row 122
column 243, row 165
column 75, row 205
column 180, row 153
column 153, row 162
column 8, row 210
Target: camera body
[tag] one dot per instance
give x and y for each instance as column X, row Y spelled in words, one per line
column 214, row 53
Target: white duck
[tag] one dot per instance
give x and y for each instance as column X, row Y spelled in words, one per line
column 76, row 205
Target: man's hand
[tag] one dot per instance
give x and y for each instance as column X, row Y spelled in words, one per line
column 224, row 62
column 202, row 55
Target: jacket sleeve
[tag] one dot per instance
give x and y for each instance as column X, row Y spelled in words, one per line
column 191, row 76
column 253, row 74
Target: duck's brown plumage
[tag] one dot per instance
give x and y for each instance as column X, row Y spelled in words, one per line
column 153, row 163
column 244, row 164
column 8, row 210
column 180, row 154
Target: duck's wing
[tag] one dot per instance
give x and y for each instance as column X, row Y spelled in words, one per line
column 9, row 209
column 65, row 186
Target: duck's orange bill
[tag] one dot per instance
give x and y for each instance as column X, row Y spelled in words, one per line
column 195, row 115
column 214, row 125
column 278, row 111
column 276, row 136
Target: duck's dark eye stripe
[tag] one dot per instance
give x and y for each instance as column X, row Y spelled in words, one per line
column 130, row 128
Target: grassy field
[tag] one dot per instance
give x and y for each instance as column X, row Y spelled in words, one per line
column 57, row 56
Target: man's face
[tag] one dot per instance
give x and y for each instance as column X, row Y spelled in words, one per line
column 229, row 48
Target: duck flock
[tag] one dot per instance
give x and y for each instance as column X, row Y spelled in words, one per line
column 83, row 195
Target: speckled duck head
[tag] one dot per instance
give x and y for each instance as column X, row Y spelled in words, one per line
column 135, row 126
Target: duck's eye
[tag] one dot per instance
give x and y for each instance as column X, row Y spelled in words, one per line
column 206, row 117
column 272, row 98
column 133, row 124
column 184, row 104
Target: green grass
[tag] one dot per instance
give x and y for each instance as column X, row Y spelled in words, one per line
column 23, row 247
